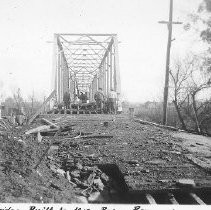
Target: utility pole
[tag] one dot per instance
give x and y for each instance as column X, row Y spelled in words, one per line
column 166, row 87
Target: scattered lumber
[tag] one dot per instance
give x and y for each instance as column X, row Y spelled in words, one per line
column 96, row 136
column 49, row 123
column 42, row 107
column 43, row 128
column 84, row 133
column 46, row 151
column 156, row 124
column 186, row 183
column 49, row 129
column 39, row 137
column 4, row 124
column 201, row 162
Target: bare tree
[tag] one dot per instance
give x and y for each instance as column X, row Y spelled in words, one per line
column 18, row 99
column 32, row 100
column 180, row 73
column 199, row 81
column 189, row 79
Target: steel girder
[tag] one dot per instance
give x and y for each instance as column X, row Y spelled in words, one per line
column 85, row 62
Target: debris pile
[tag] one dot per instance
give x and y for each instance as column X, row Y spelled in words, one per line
column 5, row 125
column 90, row 159
column 20, row 180
column 54, row 146
column 89, row 181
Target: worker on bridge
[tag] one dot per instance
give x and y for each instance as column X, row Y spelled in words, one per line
column 112, row 101
column 83, row 97
column 119, row 104
column 66, row 100
column 100, row 99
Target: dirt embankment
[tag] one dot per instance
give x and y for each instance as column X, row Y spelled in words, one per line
column 20, row 182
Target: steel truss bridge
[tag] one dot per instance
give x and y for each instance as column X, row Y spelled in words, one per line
column 84, row 63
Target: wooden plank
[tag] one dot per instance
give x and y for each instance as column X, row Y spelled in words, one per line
column 150, row 199
column 39, row 129
column 202, row 162
column 2, row 124
column 5, row 124
column 42, row 107
column 197, row 199
column 172, row 199
column 157, row 125
column 49, row 123
column 96, row 136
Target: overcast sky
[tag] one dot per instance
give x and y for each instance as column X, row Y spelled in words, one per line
column 28, row 25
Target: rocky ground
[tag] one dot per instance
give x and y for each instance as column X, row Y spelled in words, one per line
column 96, row 158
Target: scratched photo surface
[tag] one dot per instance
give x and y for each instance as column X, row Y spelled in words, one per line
column 105, row 102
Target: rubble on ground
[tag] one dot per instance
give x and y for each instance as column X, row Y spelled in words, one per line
column 48, row 166
column 83, row 159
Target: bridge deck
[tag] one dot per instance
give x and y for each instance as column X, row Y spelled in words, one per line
column 150, row 158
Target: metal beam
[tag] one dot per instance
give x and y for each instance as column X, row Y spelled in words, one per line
column 81, row 34
column 106, row 52
column 116, row 64
column 85, row 43
column 86, row 59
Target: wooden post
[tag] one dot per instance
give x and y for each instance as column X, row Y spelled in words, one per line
column 166, row 87
column 131, row 112
column 165, row 99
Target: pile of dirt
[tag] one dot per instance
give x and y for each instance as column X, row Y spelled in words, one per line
column 20, row 181
column 38, row 165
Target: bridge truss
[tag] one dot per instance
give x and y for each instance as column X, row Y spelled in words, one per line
column 84, row 63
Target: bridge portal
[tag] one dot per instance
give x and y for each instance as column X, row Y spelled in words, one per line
column 85, row 62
